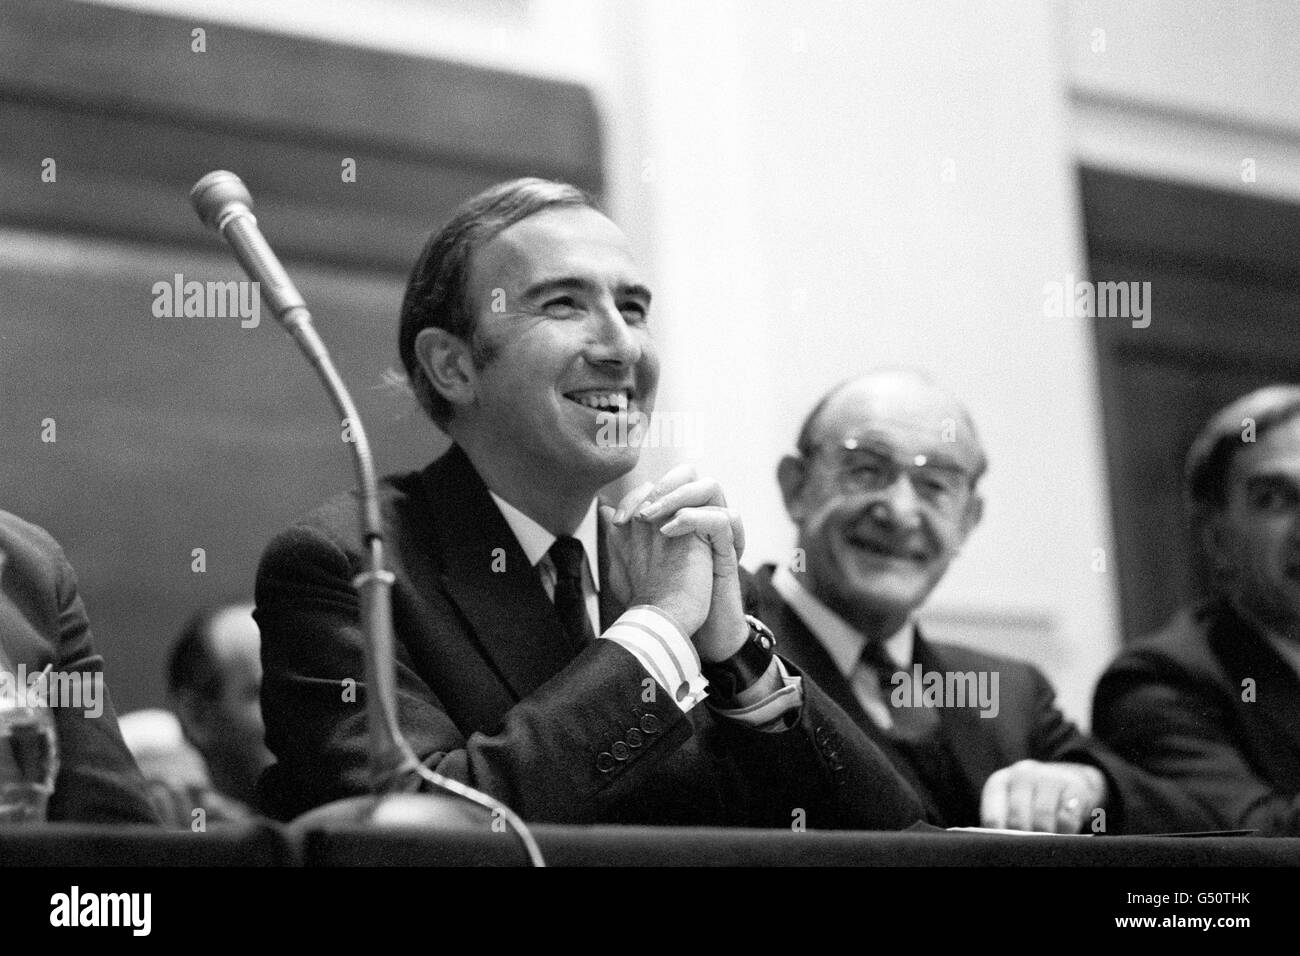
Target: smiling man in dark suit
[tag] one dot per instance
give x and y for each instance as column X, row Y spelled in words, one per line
column 884, row 493
column 580, row 664
column 1212, row 701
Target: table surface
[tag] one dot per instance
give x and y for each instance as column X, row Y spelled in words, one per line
column 353, row 844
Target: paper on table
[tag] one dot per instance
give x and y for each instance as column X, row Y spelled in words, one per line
column 1011, row 832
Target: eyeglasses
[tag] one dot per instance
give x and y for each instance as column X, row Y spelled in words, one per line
column 864, row 468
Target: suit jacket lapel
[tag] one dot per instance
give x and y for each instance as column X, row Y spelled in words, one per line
column 972, row 739
column 800, row 646
column 797, row 644
column 1245, row 653
column 488, row 577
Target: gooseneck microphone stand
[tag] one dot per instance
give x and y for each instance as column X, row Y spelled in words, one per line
column 225, row 205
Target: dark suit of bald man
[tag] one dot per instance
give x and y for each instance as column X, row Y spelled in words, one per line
column 950, row 767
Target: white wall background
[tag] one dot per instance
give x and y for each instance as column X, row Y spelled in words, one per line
column 819, row 187
column 1188, row 90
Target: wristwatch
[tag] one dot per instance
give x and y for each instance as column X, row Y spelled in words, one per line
column 729, row 677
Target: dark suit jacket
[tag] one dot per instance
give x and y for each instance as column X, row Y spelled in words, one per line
column 1173, row 704
column 42, row 621
column 1028, row 726
column 489, row 695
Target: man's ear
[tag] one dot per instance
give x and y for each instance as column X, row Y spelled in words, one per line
column 447, row 364
column 792, row 475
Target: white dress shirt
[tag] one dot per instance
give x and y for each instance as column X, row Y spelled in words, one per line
column 844, row 644
column 536, row 543
column 646, row 632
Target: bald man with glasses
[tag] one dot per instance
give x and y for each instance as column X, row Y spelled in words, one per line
column 884, row 492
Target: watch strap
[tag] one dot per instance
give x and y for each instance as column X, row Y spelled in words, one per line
column 728, row 678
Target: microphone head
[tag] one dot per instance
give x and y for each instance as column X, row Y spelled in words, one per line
column 216, row 193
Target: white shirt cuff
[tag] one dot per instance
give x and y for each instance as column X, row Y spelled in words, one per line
column 668, row 656
column 770, row 713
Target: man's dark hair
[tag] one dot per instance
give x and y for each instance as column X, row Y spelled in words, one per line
column 437, row 291
column 1205, row 477
column 191, row 665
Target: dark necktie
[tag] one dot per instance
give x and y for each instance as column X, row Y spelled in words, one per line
column 570, row 605
column 910, row 723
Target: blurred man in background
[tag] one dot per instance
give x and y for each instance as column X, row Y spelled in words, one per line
column 43, row 624
column 175, row 773
column 214, row 679
column 1212, row 701
column 202, row 762
column 884, row 493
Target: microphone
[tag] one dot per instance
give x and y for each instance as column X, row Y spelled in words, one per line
column 224, row 204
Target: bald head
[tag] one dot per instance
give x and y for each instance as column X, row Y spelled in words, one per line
column 883, row 494
column 895, row 396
